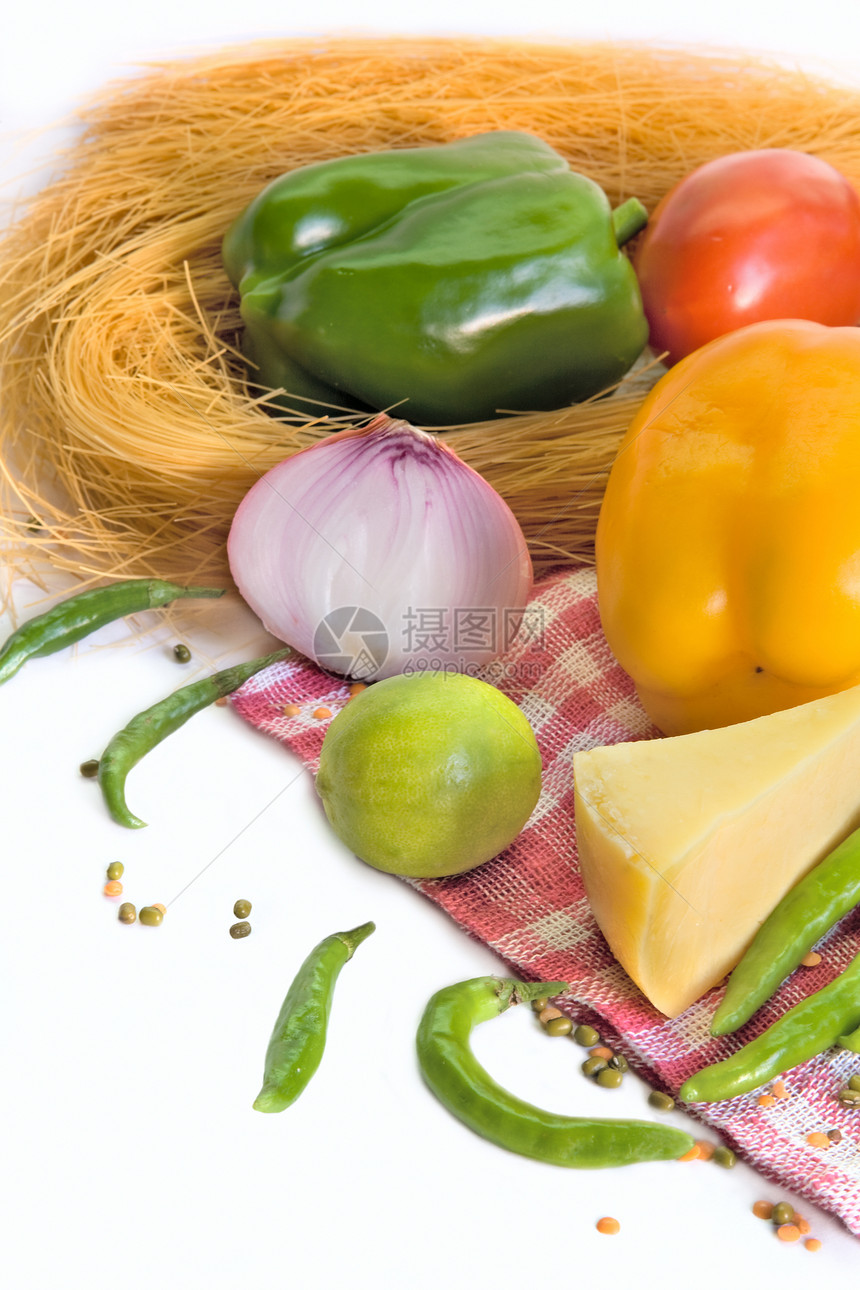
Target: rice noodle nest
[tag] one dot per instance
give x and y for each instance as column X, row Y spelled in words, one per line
column 128, row 431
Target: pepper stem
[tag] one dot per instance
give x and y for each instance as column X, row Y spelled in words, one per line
column 513, row 992
column 628, row 219
column 203, row 593
column 353, row 939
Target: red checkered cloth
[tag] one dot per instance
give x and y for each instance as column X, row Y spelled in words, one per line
column 529, row 904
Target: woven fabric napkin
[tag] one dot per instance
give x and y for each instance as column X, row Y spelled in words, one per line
column 529, row 904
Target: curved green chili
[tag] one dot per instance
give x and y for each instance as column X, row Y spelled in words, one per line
column 298, row 1039
column 809, row 1028
column 826, row 894
column 464, row 1087
column 77, row 617
column 148, row 728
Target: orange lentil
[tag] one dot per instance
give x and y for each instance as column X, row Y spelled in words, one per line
column 291, row 709
column 322, row 714
column 601, row 1051
column 608, row 1226
column 818, row 1139
column 706, row 1149
column 813, row 1244
column 812, row 959
column 221, row 701
column 767, row 1099
column 802, row 1225
column 788, row 1232
column 113, row 888
column 357, row 687
column 763, row 1209
column 779, row 1090
column 693, row 1154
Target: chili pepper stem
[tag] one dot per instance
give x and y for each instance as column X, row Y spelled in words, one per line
column 353, row 939
column 628, row 219
column 203, row 593
column 514, row 992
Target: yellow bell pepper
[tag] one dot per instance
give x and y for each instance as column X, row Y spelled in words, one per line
column 728, row 547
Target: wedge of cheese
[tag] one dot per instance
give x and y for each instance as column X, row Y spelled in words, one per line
column 686, row 844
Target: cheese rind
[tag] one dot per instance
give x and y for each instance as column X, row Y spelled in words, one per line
column 686, row 844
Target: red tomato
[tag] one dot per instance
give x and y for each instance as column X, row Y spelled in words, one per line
column 754, row 235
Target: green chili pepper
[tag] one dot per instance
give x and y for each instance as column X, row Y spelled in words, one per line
column 148, row 728
column 809, row 1028
column 77, row 617
column 811, row 908
column 464, row 1087
column 453, row 281
column 298, row 1039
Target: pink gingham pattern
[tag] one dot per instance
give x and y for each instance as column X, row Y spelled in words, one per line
column 529, row 904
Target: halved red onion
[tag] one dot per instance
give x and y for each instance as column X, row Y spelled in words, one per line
column 378, row 551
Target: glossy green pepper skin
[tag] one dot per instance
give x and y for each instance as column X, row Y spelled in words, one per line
column 457, row 282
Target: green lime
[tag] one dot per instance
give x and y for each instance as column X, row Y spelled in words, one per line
column 429, row 774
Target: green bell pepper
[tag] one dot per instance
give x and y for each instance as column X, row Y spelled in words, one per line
column 455, row 282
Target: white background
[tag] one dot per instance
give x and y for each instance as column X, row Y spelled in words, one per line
column 131, row 1056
